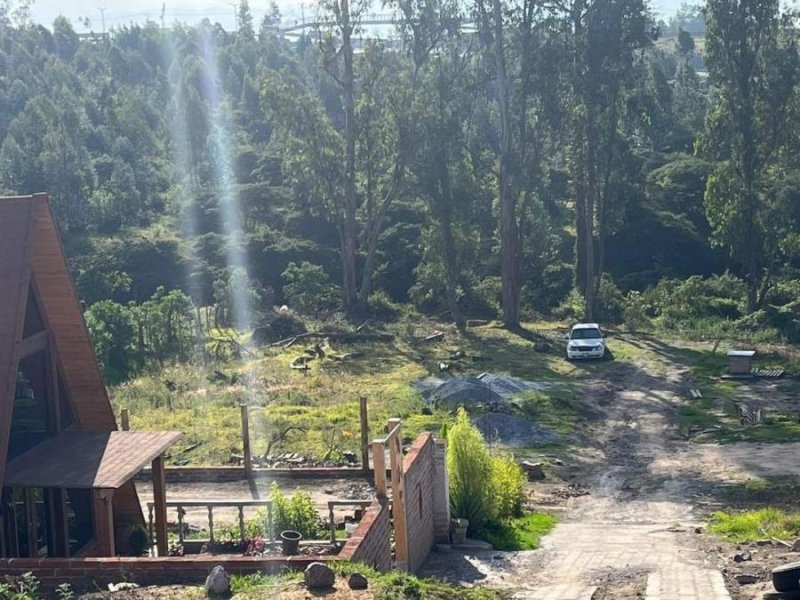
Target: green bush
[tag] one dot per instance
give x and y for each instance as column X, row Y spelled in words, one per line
column 113, row 330
column 610, row 303
column 24, row 587
column 507, row 488
column 382, row 307
column 138, row 541
column 296, row 513
column 483, row 489
column 469, row 466
column 572, row 307
column 635, row 313
column 719, row 296
column 307, row 288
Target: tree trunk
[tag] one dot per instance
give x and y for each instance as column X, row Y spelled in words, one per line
column 349, row 228
column 509, row 232
column 374, row 232
column 443, row 206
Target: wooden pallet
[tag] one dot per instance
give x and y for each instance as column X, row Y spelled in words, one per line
column 768, row 372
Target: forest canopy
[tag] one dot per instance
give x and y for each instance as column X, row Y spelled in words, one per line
column 501, row 159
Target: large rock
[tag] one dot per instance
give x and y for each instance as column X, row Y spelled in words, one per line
column 319, row 576
column 357, row 581
column 218, row 583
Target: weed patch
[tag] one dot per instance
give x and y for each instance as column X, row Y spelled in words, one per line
column 755, row 525
column 521, row 533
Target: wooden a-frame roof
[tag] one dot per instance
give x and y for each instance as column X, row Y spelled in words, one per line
column 31, row 254
column 32, row 258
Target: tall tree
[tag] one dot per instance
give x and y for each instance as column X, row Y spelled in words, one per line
column 753, row 63
column 603, row 38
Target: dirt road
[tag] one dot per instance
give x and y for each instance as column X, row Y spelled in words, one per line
column 633, row 535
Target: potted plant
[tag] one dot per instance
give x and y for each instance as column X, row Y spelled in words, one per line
column 290, row 542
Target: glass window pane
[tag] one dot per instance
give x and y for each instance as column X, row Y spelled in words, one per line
column 34, row 323
column 29, row 421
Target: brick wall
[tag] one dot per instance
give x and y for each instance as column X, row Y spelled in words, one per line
column 371, row 543
column 85, row 573
column 427, row 502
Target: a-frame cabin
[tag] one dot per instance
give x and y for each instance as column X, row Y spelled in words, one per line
column 66, row 472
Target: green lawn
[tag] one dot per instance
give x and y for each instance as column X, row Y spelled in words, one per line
column 756, row 525
column 523, row 533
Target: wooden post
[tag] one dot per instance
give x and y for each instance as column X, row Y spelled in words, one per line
column 379, row 469
column 398, row 496
column 160, row 505
column 104, row 522
column 3, row 549
column 248, row 457
column 125, row 417
column 11, row 524
column 30, row 523
column 364, row 433
column 59, row 534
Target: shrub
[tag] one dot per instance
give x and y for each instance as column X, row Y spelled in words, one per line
column 507, row 485
column 113, row 331
column 138, row 541
column 383, row 307
column 719, row 296
column 24, row 587
column 635, row 312
column 610, row 303
column 296, row 513
column 469, row 466
column 572, row 308
column 307, row 287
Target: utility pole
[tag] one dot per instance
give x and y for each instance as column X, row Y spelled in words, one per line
column 102, row 10
column 163, row 13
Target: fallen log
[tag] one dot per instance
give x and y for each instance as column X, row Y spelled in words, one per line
column 434, row 337
column 301, row 362
column 340, row 336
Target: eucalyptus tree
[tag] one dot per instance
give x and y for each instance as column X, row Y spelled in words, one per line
column 753, row 64
column 348, row 154
column 442, row 83
column 602, row 39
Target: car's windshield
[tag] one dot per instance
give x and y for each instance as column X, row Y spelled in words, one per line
column 585, row 334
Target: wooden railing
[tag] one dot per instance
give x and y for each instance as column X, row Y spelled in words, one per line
column 394, row 444
column 182, row 505
column 335, row 503
column 240, row 505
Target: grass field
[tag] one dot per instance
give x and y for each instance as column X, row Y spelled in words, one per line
column 318, row 411
column 322, row 405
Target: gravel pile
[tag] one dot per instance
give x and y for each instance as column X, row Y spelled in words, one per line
column 464, row 391
column 507, row 386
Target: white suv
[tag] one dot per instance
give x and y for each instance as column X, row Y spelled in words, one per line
column 586, row 341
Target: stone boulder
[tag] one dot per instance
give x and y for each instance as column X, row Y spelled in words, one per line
column 218, row 583
column 357, row 581
column 319, row 576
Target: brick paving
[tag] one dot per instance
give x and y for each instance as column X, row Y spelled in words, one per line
column 625, row 529
column 577, row 550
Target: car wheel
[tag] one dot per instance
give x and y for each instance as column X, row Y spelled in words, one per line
column 786, row 578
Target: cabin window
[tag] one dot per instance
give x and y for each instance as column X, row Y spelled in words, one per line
column 30, row 419
column 34, row 323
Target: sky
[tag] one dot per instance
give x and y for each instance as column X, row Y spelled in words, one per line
column 121, row 12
